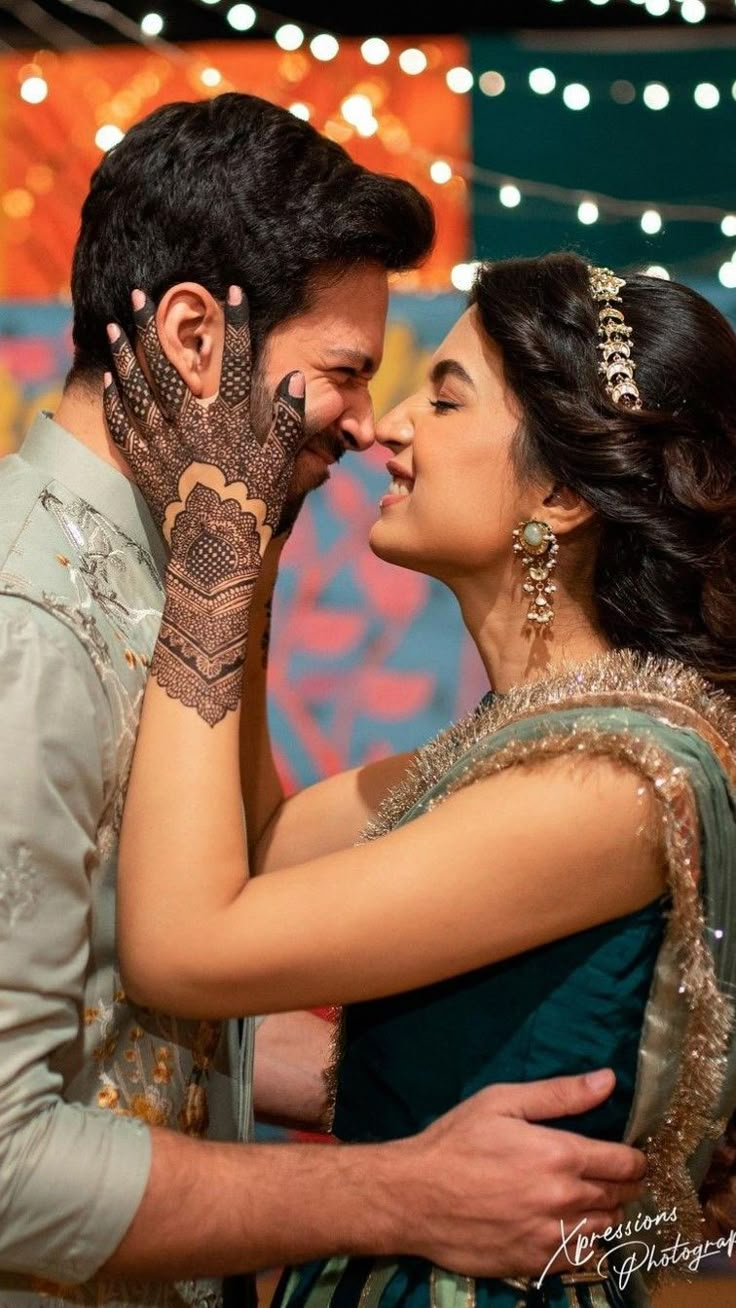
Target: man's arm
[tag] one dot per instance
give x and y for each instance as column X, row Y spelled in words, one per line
column 482, row 1192
column 72, row 1178
column 322, row 818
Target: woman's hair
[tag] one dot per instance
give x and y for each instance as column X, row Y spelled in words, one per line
column 661, row 479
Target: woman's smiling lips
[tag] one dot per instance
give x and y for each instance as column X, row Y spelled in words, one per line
column 401, row 485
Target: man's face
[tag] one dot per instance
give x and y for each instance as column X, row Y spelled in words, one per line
column 337, row 344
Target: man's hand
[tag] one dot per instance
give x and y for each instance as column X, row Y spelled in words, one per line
column 486, row 1189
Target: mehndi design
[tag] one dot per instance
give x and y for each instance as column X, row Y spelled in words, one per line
column 215, row 490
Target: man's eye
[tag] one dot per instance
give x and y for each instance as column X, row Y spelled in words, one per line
column 443, row 406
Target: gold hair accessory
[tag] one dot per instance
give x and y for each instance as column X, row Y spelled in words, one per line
column 537, row 544
column 617, row 365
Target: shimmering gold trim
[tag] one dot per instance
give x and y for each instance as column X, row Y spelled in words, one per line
column 624, row 677
column 331, row 1070
column 675, row 695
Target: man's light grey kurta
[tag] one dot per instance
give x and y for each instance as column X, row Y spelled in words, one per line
column 82, row 1072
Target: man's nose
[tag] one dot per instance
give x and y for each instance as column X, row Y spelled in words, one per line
column 358, row 424
column 396, row 428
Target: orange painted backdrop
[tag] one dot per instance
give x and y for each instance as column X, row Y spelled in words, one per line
column 49, row 151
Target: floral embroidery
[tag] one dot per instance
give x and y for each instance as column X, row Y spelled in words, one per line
column 20, row 889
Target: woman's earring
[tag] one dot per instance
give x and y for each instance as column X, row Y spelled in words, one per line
column 537, row 544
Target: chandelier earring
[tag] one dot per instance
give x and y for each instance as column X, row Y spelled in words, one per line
column 537, row 545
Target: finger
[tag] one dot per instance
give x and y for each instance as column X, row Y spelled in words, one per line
column 235, row 378
column 132, row 383
column 287, row 426
column 170, row 387
column 604, row 1195
column 120, row 427
column 611, row 1162
column 561, row 1096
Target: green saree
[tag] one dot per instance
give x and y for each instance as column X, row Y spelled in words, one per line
column 649, row 993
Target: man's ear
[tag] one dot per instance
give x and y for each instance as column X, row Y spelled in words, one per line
column 191, row 328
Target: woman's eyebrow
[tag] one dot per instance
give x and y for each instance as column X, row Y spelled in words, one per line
column 450, row 368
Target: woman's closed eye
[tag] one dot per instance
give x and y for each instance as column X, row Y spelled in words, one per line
column 444, row 406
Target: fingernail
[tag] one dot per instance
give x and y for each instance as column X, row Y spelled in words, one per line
column 296, row 387
column 113, row 332
column 235, row 295
column 138, row 299
column 107, row 379
column 600, row 1080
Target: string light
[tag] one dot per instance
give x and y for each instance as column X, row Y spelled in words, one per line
column 440, row 172
column 459, row 80
column 463, row 275
column 492, row 83
column 542, row 81
column 657, row 8
column 693, row 11
column 588, row 212
column 324, row 47
column 651, row 222
column 356, row 109
column 623, row 92
column 728, row 225
column 706, row 95
column 152, row 24
column 107, row 136
column 242, row 17
column 34, row 90
column 656, row 270
column 656, row 95
column 510, row 196
column 576, row 96
column 300, row 110
column 375, row 50
column 413, row 61
column 289, row 37
column 210, row 77
column 727, row 275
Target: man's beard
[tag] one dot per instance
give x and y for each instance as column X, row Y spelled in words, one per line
column 303, row 479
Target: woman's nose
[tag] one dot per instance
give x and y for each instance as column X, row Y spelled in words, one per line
column 396, row 427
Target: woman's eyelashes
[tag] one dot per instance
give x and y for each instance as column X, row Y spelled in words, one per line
column 444, row 406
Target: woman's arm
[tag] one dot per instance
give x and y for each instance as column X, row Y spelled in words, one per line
column 513, row 861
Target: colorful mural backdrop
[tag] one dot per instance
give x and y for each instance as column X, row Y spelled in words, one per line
column 367, row 659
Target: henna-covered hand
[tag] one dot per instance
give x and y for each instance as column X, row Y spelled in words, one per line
column 214, row 489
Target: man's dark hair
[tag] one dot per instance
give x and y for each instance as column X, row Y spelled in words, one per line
column 232, row 190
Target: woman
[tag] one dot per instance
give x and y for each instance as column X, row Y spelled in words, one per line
column 548, row 887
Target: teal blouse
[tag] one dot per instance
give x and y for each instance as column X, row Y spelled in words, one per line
column 577, row 1004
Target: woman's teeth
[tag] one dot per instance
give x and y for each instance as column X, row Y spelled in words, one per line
column 399, row 488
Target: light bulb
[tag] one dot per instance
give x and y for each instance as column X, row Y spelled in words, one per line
column 33, row 90
column 651, row 222
column 576, row 96
column 242, row 17
column 459, row 80
column 324, row 47
column 375, row 50
column 542, row 80
column 588, row 212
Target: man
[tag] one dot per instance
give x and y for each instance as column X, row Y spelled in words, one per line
column 105, row 1185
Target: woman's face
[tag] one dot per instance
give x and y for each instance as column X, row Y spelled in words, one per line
column 457, row 498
